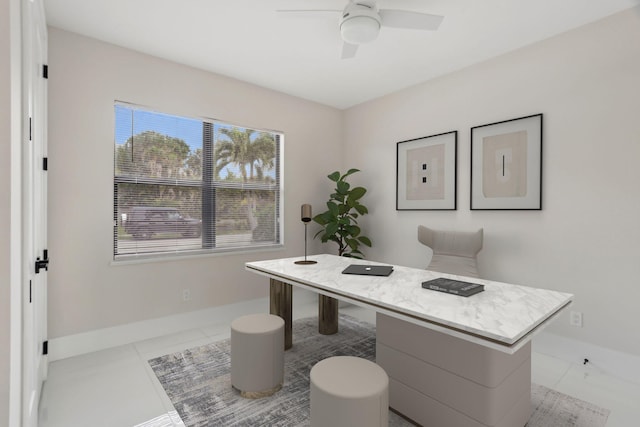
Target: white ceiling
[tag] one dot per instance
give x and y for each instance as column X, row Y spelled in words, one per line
column 248, row 40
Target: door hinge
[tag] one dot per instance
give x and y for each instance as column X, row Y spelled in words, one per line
column 29, row 128
column 45, row 71
column 45, row 348
column 30, row 293
column 42, row 263
column 45, row 163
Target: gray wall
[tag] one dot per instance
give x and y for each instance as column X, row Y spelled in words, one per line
column 87, row 291
column 585, row 240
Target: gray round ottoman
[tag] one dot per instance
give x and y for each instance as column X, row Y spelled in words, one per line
column 349, row 391
column 257, row 355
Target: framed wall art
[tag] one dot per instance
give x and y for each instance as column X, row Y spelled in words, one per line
column 426, row 172
column 506, row 164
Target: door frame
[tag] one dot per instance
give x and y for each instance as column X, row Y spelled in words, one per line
column 15, row 231
column 31, row 307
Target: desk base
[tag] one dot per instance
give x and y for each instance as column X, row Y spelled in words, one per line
column 327, row 315
column 281, row 304
column 437, row 379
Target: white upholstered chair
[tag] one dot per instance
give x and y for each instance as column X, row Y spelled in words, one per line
column 454, row 252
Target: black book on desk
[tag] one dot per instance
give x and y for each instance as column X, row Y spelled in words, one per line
column 451, row 286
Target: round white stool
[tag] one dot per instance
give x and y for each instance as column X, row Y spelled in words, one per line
column 349, row 391
column 257, row 355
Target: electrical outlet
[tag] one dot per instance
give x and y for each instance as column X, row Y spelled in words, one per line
column 186, row 295
column 575, row 319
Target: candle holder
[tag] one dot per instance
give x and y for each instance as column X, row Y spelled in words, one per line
column 305, row 216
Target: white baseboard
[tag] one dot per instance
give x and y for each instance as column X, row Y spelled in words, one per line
column 612, row 362
column 100, row 339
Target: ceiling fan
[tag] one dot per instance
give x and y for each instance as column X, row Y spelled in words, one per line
column 360, row 22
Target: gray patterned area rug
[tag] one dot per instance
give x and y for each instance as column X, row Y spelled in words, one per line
column 198, row 383
column 554, row 409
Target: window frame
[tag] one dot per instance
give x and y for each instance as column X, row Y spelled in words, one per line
column 209, row 187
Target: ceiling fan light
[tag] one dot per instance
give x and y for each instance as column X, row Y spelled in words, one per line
column 359, row 29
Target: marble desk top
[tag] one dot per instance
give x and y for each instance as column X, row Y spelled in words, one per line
column 503, row 317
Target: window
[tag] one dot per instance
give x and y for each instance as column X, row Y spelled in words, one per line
column 185, row 185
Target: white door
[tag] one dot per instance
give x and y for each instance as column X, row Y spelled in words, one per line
column 34, row 208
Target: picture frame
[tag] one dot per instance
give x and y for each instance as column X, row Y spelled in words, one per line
column 506, row 165
column 426, row 170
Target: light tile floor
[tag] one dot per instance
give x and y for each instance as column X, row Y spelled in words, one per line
column 116, row 387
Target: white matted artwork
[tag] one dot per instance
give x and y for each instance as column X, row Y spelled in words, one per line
column 506, row 164
column 426, row 172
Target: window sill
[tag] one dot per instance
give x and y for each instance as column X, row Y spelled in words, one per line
column 171, row 257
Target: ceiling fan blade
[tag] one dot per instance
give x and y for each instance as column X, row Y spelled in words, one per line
column 410, row 20
column 348, row 50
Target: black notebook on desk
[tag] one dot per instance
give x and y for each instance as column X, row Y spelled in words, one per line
column 369, row 270
column 455, row 287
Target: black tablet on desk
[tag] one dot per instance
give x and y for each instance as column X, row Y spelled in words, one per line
column 369, row 270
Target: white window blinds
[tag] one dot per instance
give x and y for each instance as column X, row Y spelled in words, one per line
column 185, row 185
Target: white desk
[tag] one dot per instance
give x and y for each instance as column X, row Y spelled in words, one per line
column 451, row 360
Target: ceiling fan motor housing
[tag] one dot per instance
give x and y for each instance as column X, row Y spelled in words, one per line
column 360, row 23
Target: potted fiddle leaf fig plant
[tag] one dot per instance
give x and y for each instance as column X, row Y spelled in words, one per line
column 339, row 222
